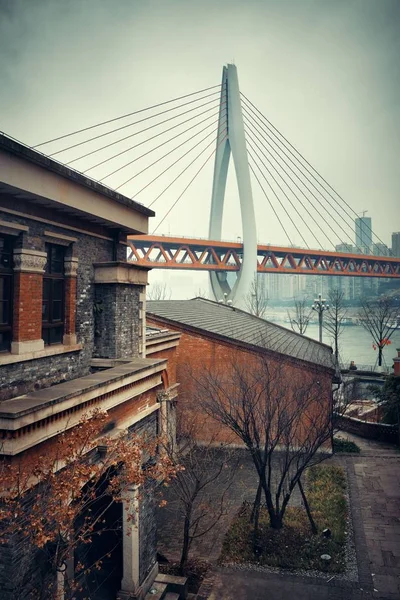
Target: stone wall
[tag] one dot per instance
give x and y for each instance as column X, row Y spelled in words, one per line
column 117, row 321
column 372, row 431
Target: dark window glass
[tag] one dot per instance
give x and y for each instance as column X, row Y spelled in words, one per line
column 5, row 341
column 53, row 296
column 6, row 287
column 5, row 252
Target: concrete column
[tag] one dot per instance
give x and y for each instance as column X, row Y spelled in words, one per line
column 130, row 587
column 70, row 271
column 28, row 295
column 120, row 318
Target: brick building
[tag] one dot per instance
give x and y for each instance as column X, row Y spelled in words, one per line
column 72, row 328
column 214, row 335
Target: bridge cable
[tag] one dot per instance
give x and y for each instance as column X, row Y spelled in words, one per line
column 136, row 112
column 170, row 152
column 294, row 194
column 152, row 138
column 131, row 125
column 190, row 182
column 269, row 201
column 277, row 197
column 180, row 174
column 279, row 200
column 302, row 182
column 313, row 169
column 307, row 188
column 287, row 197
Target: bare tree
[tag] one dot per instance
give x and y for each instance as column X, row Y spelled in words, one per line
column 283, row 416
column 256, row 300
column 333, row 322
column 302, row 313
column 202, row 293
column 158, row 291
column 205, row 473
column 377, row 317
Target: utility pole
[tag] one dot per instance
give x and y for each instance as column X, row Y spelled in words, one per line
column 320, row 306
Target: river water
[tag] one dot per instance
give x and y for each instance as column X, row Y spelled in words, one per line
column 355, row 343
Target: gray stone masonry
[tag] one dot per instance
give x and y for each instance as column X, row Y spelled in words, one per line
column 117, row 321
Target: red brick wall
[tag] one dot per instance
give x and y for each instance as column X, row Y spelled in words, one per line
column 171, row 355
column 196, row 353
column 27, row 302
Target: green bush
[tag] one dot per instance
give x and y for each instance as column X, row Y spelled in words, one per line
column 340, row 445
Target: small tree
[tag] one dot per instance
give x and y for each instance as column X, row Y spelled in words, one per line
column 205, row 473
column 283, row 419
column 302, row 314
column 48, row 503
column 333, row 321
column 256, row 300
column 377, row 316
column 158, row 291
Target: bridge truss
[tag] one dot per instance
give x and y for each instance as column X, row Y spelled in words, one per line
column 164, row 252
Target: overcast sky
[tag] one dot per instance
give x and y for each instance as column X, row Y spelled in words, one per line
column 325, row 72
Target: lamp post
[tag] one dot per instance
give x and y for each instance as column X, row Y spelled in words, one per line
column 320, row 305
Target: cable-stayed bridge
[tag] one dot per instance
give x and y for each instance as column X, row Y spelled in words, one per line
column 175, row 142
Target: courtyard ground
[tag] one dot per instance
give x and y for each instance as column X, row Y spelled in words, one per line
column 374, row 487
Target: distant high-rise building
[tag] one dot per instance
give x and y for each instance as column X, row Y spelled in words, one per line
column 346, row 248
column 363, row 232
column 396, row 244
column 380, row 250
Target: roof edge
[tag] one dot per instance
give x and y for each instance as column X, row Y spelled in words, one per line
column 21, row 150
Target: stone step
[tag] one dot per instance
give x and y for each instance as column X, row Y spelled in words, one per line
column 171, row 596
column 157, row 591
column 177, row 585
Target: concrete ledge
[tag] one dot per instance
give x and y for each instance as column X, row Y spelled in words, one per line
column 28, row 420
column 120, row 272
column 27, row 347
column 9, row 358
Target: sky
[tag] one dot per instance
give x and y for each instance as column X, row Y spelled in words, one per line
column 324, row 72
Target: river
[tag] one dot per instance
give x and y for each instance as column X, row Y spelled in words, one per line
column 355, row 343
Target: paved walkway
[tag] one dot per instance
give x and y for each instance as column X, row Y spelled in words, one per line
column 377, row 473
column 374, row 486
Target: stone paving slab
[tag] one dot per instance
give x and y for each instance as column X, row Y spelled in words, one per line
column 229, row 584
column 378, row 483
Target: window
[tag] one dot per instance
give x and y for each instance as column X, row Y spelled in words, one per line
column 5, row 293
column 53, row 296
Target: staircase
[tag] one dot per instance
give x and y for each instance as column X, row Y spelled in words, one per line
column 168, row 587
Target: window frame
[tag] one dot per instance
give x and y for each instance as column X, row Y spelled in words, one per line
column 51, row 277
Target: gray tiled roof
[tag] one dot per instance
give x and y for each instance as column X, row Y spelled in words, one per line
column 241, row 326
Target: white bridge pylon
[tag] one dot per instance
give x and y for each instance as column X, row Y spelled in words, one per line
column 231, row 132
